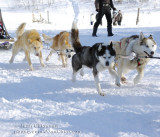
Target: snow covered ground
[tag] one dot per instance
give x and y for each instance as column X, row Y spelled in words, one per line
column 46, row 103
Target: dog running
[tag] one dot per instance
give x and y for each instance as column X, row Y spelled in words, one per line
column 60, row 44
column 30, row 42
column 139, row 45
column 98, row 57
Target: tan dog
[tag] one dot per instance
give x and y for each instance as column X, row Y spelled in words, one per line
column 60, row 43
column 28, row 41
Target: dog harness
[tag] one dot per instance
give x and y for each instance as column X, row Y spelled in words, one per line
column 138, row 60
column 138, row 63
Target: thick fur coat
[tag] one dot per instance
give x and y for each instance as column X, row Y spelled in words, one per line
column 30, row 42
column 98, row 57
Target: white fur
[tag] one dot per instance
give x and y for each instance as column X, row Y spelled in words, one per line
column 125, row 65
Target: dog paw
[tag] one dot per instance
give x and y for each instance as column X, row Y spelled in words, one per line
column 136, row 81
column 118, row 82
column 47, row 59
column 11, row 61
column 123, row 80
column 73, row 79
column 64, row 66
column 31, row 68
column 82, row 73
column 43, row 65
column 102, row 94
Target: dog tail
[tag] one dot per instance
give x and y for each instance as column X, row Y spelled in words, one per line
column 75, row 38
column 47, row 38
column 20, row 30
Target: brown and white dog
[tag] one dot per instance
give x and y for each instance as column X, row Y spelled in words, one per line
column 139, row 45
column 30, row 42
column 61, row 43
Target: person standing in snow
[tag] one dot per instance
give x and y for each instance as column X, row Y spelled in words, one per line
column 103, row 7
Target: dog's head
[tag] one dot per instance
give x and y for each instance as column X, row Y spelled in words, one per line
column 106, row 54
column 69, row 52
column 147, row 45
column 36, row 46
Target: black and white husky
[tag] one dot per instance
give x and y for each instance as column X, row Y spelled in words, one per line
column 99, row 57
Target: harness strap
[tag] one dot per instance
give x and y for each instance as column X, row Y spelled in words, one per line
column 139, row 64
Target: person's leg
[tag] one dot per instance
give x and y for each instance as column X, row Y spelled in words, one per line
column 98, row 21
column 109, row 22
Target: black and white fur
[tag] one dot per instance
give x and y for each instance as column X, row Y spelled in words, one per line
column 99, row 57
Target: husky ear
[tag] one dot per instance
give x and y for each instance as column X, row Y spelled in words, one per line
column 141, row 37
column 150, row 37
column 111, row 44
column 99, row 47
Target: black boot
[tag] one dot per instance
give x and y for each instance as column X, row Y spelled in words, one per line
column 109, row 28
column 94, row 32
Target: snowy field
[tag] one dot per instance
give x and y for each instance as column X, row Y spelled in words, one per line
column 45, row 103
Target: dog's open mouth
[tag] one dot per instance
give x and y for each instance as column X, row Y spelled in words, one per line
column 148, row 54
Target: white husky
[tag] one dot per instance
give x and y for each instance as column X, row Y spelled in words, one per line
column 139, row 45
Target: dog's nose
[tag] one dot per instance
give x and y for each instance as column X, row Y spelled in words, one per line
column 69, row 56
column 152, row 52
column 107, row 63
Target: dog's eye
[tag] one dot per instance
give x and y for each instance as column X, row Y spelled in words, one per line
column 109, row 57
column 147, row 46
column 104, row 57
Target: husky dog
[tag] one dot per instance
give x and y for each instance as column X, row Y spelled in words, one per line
column 139, row 45
column 30, row 42
column 99, row 57
column 61, row 42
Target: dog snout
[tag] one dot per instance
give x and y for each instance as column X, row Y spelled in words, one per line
column 69, row 56
column 107, row 63
column 152, row 52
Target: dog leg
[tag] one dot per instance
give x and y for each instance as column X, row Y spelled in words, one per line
column 66, row 60
column 82, row 72
column 63, row 62
column 98, row 86
column 140, row 75
column 25, row 59
column 50, row 54
column 74, row 75
column 119, row 71
column 15, row 50
column 114, row 74
column 97, row 83
column 29, row 60
column 41, row 60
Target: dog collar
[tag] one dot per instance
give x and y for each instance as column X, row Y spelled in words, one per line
column 138, row 62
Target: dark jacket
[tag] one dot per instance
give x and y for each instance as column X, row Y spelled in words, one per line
column 99, row 4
